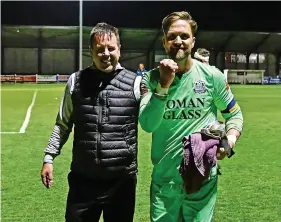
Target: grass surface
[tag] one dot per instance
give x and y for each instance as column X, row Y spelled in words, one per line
column 249, row 189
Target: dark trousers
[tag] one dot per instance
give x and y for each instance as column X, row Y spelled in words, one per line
column 88, row 198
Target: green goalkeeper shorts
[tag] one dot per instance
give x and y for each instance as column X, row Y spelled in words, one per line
column 170, row 203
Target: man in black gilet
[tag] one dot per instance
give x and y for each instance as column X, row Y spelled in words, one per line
column 101, row 103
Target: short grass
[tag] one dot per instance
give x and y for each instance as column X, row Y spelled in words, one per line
column 249, row 189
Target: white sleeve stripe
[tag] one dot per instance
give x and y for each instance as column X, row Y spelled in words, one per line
column 70, row 86
column 61, row 106
column 72, row 82
column 137, row 87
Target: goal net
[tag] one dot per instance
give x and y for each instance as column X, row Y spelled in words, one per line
column 240, row 76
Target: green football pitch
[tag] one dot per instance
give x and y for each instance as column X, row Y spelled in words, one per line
column 249, row 188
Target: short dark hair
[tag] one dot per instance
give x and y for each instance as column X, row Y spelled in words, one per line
column 102, row 29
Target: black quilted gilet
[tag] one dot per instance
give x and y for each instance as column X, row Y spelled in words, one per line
column 105, row 116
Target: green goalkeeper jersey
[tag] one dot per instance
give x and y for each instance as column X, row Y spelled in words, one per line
column 191, row 103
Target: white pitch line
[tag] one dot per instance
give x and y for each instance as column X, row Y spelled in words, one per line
column 9, row 132
column 28, row 114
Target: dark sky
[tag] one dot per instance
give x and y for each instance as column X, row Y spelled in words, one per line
column 232, row 16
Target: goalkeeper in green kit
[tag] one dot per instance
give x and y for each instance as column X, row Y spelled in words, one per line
column 181, row 97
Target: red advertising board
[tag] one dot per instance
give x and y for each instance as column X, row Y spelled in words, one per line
column 18, row 78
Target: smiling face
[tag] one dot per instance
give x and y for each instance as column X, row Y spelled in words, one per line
column 105, row 52
column 179, row 40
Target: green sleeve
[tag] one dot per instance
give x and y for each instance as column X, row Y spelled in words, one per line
column 152, row 105
column 235, row 122
column 226, row 103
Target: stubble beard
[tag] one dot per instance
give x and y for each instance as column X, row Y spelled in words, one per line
column 179, row 55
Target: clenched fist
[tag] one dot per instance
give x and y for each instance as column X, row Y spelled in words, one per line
column 168, row 68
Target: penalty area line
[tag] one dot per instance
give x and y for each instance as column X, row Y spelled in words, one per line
column 9, row 132
column 27, row 117
column 28, row 114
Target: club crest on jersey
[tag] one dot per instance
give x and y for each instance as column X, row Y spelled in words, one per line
column 200, row 86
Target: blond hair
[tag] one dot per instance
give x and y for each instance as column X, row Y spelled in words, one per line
column 183, row 15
